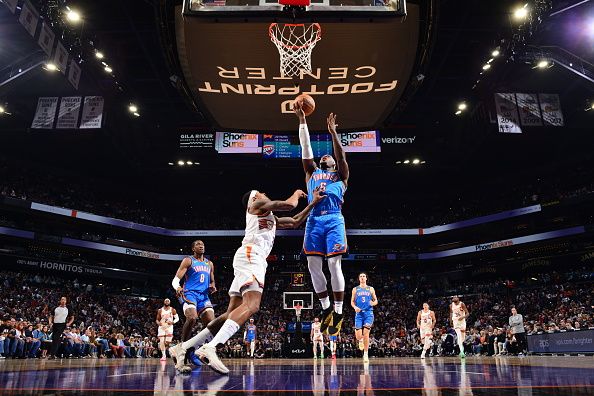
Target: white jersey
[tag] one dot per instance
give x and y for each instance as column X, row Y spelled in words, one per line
column 457, row 311
column 426, row 320
column 317, row 333
column 166, row 315
column 260, row 231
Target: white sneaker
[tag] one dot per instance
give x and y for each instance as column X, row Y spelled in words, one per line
column 361, row 346
column 178, row 353
column 208, row 355
column 423, row 355
column 365, row 358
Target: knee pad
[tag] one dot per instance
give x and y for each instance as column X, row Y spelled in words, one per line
column 314, row 263
column 337, row 279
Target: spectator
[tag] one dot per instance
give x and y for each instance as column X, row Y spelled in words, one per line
column 58, row 321
column 516, row 323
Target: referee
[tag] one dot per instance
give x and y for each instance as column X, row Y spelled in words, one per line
column 58, row 323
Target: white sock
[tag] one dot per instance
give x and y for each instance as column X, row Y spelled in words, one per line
column 229, row 328
column 325, row 302
column 204, row 336
column 338, row 307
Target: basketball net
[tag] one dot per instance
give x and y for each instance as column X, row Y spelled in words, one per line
column 298, row 311
column 295, row 43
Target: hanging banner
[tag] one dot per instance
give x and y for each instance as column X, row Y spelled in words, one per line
column 61, row 57
column 507, row 113
column 551, row 109
column 529, row 109
column 29, row 18
column 74, row 74
column 11, row 4
column 92, row 114
column 45, row 113
column 46, row 38
column 68, row 113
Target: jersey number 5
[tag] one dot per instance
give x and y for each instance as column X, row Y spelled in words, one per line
column 322, row 186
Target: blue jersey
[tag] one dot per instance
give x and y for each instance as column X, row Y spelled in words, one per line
column 363, row 298
column 330, row 184
column 198, row 275
column 250, row 332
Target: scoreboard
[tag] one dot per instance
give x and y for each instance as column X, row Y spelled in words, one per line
column 288, row 146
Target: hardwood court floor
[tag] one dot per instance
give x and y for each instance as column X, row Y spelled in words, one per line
column 530, row 376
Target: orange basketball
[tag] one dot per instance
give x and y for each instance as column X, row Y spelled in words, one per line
column 308, row 104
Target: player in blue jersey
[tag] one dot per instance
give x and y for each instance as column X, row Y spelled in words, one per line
column 363, row 299
column 333, row 345
column 249, row 336
column 198, row 274
column 325, row 234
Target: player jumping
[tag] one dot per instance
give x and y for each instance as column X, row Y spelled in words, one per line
column 459, row 313
column 249, row 336
column 249, row 266
column 325, row 234
column 363, row 299
column 425, row 323
column 194, row 294
column 166, row 318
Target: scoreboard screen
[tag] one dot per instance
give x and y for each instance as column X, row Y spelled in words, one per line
column 297, row 279
column 287, row 146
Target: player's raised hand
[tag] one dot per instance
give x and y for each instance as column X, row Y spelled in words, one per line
column 298, row 110
column 300, row 194
column 332, row 125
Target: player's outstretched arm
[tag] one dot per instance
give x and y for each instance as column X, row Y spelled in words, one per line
column 212, row 288
column 307, row 157
column 419, row 320
column 374, row 300
column 343, row 166
column 466, row 313
column 299, row 218
column 433, row 320
column 261, row 206
column 158, row 317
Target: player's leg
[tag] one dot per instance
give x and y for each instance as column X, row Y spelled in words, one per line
column 461, row 335
column 366, row 331
column 252, row 347
column 336, row 246
column 314, row 248
column 359, row 329
column 162, row 347
column 315, row 349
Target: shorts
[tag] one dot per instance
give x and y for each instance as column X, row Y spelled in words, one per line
column 195, row 299
column 459, row 324
column 250, row 339
column 426, row 333
column 325, row 235
column 363, row 319
column 165, row 331
column 249, row 268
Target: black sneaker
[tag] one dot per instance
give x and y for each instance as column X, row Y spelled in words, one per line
column 326, row 319
column 334, row 329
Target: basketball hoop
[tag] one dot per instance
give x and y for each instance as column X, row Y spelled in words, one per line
column 295, row 42
column 298, row 310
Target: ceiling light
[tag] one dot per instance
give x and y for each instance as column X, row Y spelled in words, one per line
column 490, row 60
column 521, row 13
column 181, row 163
column 592, row 107
column 108, row 69
column 486, row 67
column 189, row 163
column 407, row 161
column 422, row 162
column 542, row 64
column 73, row 16
column 462, row 106
column 2, row 110
column 458, row 112
column 50, row 67
column 533, row 279
column 136, row 114
column 416, row 161
column 495, row 53
column 170, row 163
column 398, row 162
column 132, row 108
column 99, row 55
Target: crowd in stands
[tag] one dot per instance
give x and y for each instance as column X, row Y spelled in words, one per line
column 110, row 324
column 400, row 211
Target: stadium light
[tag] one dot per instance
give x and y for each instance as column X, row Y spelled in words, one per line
column 458, row 112
column 181, row 163
column 486, row 66
column 2, row 110
column 416, row 161
column 462, row 106
column 521, row 13
column 398, row 162
column 73, row 16
column 490, row 60
column 50, row 67
column 189, row 163
column 407, row 161
column 136, row 114
column 108, row 69
column 543, row 64
column 534, row 279
column 99, row 55
column 423, row 162
column 132, row 108
column 170, row 163
column 592, row 107
column 495, row 53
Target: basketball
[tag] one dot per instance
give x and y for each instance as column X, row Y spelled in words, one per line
column 308, row 104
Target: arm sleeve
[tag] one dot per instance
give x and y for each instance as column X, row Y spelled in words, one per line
column 175, row 318
column 306, row 151
column 175, row 283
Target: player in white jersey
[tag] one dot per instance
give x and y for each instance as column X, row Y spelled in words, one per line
column 459, row 313
column 425, row 324
column 166, row 317
column 249, row 267
column 317, row 338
